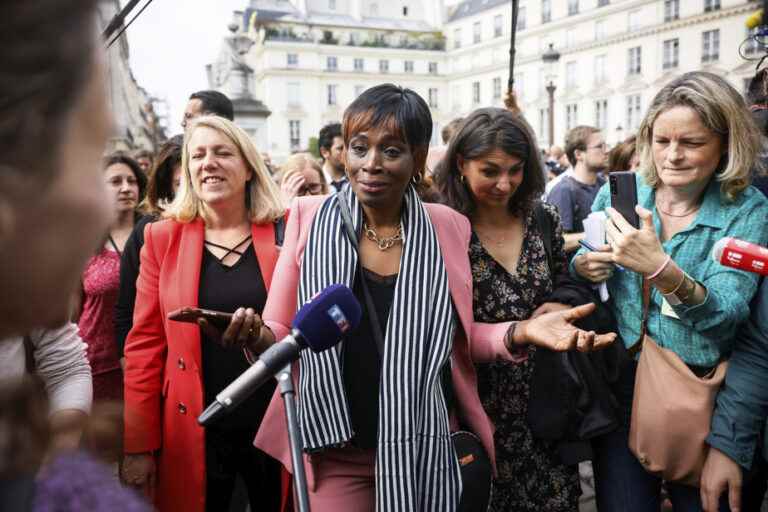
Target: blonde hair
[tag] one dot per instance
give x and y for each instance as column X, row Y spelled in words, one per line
column 299, row 162
column 262, row 198
column 721, row 109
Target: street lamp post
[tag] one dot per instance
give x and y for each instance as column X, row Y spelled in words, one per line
column 550, row 58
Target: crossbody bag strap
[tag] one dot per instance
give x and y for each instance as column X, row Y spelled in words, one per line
column 638, row 345
column 346, row 217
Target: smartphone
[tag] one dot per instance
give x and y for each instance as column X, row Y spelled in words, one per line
column 218, row 319
column 624, row 195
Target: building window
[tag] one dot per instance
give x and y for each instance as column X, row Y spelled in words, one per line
column 546, row 11
column 571, row 116
column 570, row 75
column 432, row 97
column 497, row 88
column 498, row 27
column 599, row 30
column 634, row 60
column 293, row 60
column 600, row 75
column 573, row 7
column 331, row 64
column 294, row 134
column 293, row 91
column 711, row 5
column 671, row 54
column 408, row 66
column 754, row 42
column 457, row 38
column 475, row 93
column 521, row 18
column 359, row 64
column 405, row 10
column 603, row 3
column 383, row 66
column 671, row 10
column 633, row 20
column 601, row 114
column 433, row 68
column 359, row 90
column 476, row 36
column 332, row 88
column 332, row 5
column 570, row 37
column 634, row 111
column 710, row 51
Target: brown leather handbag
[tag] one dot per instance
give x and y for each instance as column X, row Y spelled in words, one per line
column 671, row 410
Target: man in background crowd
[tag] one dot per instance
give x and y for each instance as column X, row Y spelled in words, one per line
column 331, row 148
column 573, row 195
column 207, row 103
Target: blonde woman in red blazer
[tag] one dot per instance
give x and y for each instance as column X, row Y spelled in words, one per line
column 377, row 424
column 218, row 237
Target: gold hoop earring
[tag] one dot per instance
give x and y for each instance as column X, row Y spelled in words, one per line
column 462, row 179
column 416, row 178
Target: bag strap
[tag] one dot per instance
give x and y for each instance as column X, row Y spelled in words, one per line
column 346, row 217
column 638, row 345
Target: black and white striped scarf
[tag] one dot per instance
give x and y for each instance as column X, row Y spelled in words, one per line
column 416, row 466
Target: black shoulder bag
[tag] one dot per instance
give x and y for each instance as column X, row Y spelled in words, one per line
column 474, row 463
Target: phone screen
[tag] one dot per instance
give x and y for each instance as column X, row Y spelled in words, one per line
column 624, row 195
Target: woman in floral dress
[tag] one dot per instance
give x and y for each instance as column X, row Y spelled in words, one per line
column 492, row 173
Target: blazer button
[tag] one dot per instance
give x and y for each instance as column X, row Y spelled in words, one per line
column 181, row 364
column 182, row 408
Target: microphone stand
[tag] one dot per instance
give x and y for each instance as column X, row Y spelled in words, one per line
column 288, row 393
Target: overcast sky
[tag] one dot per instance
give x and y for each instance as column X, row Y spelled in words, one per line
column 170, row 44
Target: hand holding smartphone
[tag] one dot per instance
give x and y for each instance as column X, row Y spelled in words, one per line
column 624, row 195
column 218, row 319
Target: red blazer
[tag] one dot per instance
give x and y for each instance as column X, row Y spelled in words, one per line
column 474, row 341
column 163, row 382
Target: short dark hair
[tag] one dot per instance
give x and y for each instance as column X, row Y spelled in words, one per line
column 757, row 95
column 397, row 108
column 46, row 47
column 483, row 131
column 119, row 157
column 327, row 134
column 577, row 138
column 215, row 103
column 160, row 182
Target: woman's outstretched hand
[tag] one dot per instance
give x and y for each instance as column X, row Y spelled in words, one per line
column 555, row 331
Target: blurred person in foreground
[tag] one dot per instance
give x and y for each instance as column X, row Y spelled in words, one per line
column 697, row 145
column 54, row 211
column 162, row 184
column 101, row 279
column 215, row 249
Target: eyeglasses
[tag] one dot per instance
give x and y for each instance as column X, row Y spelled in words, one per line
column 312, row 189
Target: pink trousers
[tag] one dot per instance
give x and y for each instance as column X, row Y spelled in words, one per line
column 344, row 480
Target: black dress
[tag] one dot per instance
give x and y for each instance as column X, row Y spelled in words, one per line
column 531, row 477
column 229, row 449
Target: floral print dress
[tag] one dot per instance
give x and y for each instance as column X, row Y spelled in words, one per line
column 530, row 474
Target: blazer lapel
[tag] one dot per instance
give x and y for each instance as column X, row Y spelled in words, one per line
column 459, row 274
column 266, row 252
column 190, row 259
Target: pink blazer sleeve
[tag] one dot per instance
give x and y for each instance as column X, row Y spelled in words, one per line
column 281, row 303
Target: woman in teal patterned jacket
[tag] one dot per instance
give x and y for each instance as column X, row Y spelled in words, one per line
column 697, row 146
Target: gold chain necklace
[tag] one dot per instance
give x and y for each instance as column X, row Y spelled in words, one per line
column 675, row 215
column 383, row 243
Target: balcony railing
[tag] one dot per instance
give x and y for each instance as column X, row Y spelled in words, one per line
column 426, row 43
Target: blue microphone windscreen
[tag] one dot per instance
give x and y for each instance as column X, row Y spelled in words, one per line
column 330, row 315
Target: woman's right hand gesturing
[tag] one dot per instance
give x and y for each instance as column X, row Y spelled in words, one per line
column 139, row 471
column 595, row 266
column 555, row 331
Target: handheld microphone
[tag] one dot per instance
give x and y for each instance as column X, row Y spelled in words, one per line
column 735, row 253
column 319, row 324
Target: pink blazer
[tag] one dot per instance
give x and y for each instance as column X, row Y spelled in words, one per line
column 485, row 342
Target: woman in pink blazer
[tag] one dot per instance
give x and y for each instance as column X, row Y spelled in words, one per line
column 375, row 420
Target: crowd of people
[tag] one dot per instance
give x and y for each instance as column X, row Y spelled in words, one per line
column 484, row 310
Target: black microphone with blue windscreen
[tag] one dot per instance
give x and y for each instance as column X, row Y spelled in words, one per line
column 318, row 325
